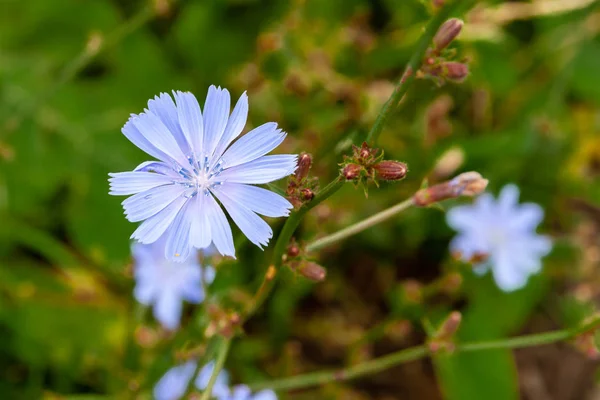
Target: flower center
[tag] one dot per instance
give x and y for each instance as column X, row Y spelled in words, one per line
column 201, row 175
column 497, row 237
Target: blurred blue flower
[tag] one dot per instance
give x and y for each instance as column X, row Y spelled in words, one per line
column 243, row 392
column 175, row 197
column 503, row 231
column 165, row 284
column 220, row 388
column 173, row 384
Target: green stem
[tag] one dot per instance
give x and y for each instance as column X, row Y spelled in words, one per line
column 409, row 72
column 415, row 353
column 222, row 352
column 359, row 226
column 282, row 241
column 294, row 219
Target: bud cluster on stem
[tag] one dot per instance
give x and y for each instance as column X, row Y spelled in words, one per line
column 438, row 63
column 367, row 164
column 301, row 188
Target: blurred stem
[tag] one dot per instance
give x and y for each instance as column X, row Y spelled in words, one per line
column 89, row 53
column 409, row 72
column 415, row 353
column 221, row 357
column 359, row 226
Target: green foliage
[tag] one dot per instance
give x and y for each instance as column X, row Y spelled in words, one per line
column 528, row 114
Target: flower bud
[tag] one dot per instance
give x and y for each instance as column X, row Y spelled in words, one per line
column 310, row 270
column 466, row 184
column 304, row 164
column 449, row 327
column 351, row 172
column 447, row 33
column 455, row 71
column 293, row 250
column 306, row 194
column 389, row 170
column 469, row 184
column 443, row 339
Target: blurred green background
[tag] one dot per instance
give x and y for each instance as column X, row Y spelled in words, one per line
column 71, row 72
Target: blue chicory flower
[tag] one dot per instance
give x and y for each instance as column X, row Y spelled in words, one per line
column 176, row 196
column 173, row 384
column 505, row 232
column 164, row 284
column 243, row 392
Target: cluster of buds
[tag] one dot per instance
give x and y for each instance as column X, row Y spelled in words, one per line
column 366, row 164
column 443, row 338
column 467, row 184
column 301, row 188
column 222, row 322
column 439, row 64
column 297, row 261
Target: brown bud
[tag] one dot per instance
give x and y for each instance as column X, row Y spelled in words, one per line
column 455, row 71
column 447, row 33
column 304, row 163
column 466, row 184
column 306, row 194
column 351, row 171
column 450, row 325
column 389, row 170
column 293, row 250
column 310, row 270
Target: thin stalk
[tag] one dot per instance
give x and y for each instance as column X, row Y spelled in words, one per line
column 222, row 352
column 359, row 226
column 413, row 66
column 418, row 352
column 282, row 241
column 296, row 217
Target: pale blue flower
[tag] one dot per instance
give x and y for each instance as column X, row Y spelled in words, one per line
column 176, row 197
column 221, row 386
column 164, row 284
column 504, row 231
column 243, row 392
column 173, row 384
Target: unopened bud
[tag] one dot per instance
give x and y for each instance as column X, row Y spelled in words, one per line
column 469, row 184
column 447, row 33
column 466, row 184
column 310, row 270
column 455, row 71
column 443, row 339
column 389, row 170
column 450, row 326
column 306, row 194
column 304, row 164
column 293, row 250
column 351, row 172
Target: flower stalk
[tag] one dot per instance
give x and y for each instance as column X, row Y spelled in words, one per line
column 418, row 352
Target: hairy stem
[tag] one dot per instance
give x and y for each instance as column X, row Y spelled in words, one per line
column 359, row 226
column 415, row 353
